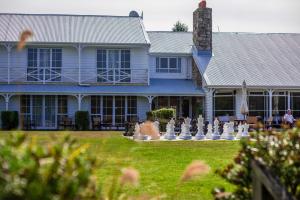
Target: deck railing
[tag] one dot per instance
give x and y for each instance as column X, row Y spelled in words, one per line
column 85, row 75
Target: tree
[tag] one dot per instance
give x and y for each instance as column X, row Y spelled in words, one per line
column 180, row 27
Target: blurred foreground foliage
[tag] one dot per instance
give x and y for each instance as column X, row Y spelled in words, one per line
column 59, row 170
column 278, row 152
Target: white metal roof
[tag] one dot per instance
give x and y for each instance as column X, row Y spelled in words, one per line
column 170, row 42
column 263, row 60
column 51, row 28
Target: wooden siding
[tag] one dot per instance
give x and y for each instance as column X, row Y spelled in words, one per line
column 72, row 106
column 186, row 68
column 70, row 66
column 2, row 108
column 3, row 64
column 142, row 107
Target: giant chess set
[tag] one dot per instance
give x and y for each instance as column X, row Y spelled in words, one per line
column 212, row 133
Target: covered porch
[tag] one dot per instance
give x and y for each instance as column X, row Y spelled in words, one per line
column 46, row 106
column 264, row 104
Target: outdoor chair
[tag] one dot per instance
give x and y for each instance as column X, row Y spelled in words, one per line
column 96, row 123
column 66, row 123
column 29, row 124
column 252, row 121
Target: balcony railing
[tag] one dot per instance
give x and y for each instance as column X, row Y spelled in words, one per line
column 71, row 75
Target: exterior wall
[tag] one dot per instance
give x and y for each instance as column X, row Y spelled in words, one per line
column 142, row 108
column 86, row 104
column 14, row 103
column 18, row 65
column 72, row 106
column 2, row 108
column 70, row 67
column 3, row 64
column 69, row 64
column 140, row 64
column 186, row 68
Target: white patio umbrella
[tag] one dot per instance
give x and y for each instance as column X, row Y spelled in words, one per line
column 244, row 104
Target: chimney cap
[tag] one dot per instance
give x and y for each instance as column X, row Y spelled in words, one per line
column 202, row 4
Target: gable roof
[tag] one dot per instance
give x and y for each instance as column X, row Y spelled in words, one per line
column 163, row 42
column 262, row 60
column 92, row 29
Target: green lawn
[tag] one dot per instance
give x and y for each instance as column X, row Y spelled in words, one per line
column 160, row 163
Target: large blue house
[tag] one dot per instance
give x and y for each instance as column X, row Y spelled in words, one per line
column 113, row 68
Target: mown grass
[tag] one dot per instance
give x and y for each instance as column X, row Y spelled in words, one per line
column 160, row 163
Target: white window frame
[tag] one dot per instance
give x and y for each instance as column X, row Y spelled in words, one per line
column 38, row 67
column 159, row 69
column 118, row 68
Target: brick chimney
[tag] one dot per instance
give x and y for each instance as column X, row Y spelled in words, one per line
column 202, row 33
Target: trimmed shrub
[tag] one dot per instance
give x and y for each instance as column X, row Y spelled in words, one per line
column 9, row 120
column 278, row 152
column 82, row 120
column 150, row 116
column 163, row 116
column 61, row 170
column 165, row 113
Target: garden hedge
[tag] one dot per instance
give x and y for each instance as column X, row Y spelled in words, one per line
column 82, row 120
column 278, row 152
column 9, row 120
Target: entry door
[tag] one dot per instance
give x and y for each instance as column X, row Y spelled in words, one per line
column 50, row 112
column 186, row 108
column 44, row 112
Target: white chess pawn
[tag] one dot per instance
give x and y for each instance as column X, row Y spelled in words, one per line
column 240, row 131
column 245, row 130
column 209, row 133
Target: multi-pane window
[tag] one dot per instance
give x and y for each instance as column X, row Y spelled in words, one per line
column 62, row 107
column 115, row 110
column 168, row 65
column 25, row 108
column 44, row 64
column 224, row 104
column 295, row 104
column 279, row 103
column 113, row 66
column 258, row 104
column 131, row 108
column 107, row 109
column 119, row 110
column 96, row 106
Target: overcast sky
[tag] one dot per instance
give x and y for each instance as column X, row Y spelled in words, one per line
column 228, row 15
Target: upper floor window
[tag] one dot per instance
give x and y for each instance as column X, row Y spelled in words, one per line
column 168, row 65
column 44, row 64
column 113, row 65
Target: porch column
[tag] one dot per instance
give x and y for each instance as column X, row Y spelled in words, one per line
column 79, row 48
column 270, row 102
column 79, row 100
column 7, row 98
column 8, row 48
column 289, row 100
column 150, row 99
column 209, row 105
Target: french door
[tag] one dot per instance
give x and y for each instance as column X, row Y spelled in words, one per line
column 113, row 66
column 41, row 110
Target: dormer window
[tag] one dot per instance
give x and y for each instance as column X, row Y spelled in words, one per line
column 168, row 65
